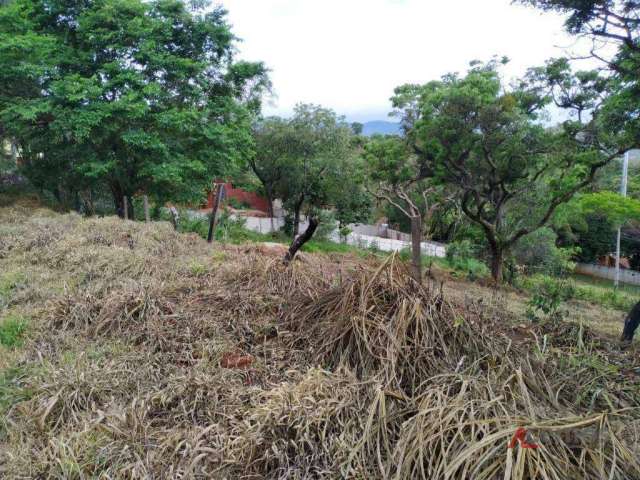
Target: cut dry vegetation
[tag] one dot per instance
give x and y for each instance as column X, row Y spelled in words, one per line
column 133, row 351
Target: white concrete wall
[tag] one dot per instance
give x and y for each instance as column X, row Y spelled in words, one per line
column 387, row 244
column 626, row 276
column 432, row 249
column 372, row 240
column 263, row 225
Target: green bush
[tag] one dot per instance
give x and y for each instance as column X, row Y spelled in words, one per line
column 460, row 257
column 460, row 250
column 600, row 295
column 548, row 296
column 539, row 254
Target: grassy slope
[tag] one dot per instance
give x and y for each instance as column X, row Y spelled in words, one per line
column 113, row 334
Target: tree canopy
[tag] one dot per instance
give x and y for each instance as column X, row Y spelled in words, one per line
column 486, row 140
column 126, row 95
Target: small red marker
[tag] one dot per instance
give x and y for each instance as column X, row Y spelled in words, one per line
column 521, row 437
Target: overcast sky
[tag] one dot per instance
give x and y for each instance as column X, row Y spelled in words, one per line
column 350, row 54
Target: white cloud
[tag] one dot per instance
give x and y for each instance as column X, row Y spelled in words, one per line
column 350, row 54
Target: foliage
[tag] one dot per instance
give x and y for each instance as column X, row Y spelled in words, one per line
column 547, row 298
column 618, row 209
column 397, row 179
column 461, row 256
column 485, row 141
column 327, row 225
column 614, row 30
column 309, row 162
column 539, row 253
column 272, row 137
column 125, row 95
column 573, row 288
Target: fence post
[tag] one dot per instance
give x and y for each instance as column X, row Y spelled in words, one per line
column 214, row 210
column 416, row 257
column 175, row 216
column 147, row 217
column 125, row 209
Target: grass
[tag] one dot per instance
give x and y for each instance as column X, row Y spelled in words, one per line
column 352, row 370
column 587, row 289
column 12, row 330
column 10, row 281
column 12, row 392
column 589, row 281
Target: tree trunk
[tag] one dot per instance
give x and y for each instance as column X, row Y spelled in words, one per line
column 497, row 259
column 296, row 217
column 416, row 251
column 117, row 193
column 147, row 216
column 300, row 240
column 631, row 324
column 270, row 206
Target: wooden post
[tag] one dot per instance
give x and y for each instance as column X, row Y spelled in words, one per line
column 125, row 207
column 175, row 216
column 147, row 217
column 214, row 211
column 416, row 253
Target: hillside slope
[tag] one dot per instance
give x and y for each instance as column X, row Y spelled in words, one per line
column 144, row 353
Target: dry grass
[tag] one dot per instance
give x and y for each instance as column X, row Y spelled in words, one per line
column 355, row 371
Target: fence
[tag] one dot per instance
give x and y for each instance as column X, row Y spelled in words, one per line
column 626, row 276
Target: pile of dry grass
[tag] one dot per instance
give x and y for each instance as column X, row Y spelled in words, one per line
column 454, row 388
column 355, row 370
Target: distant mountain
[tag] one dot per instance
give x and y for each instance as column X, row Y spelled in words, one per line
column 380, row 127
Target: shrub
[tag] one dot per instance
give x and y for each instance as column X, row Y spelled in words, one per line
column 538, row 253
column 460, row 257
column 548, row 296
column 460, row 250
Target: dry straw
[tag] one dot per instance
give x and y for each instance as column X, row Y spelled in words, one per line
column 357, row 371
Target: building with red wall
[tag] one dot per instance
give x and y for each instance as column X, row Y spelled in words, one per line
column 251, row 199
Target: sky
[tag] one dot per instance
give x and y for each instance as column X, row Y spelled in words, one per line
column 349, row 55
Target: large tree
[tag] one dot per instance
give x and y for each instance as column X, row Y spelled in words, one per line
column 127, row 95
column 394, row 173
column 309, row 161
column 487, row 142
column 272, row 154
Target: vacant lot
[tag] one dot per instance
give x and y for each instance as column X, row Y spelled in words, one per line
column 132, row 351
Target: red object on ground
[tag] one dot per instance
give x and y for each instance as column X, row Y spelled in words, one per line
column 235, row 360
column 521, row 437
column 252, row 199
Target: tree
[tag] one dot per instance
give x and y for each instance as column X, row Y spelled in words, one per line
column 126, row 95
column 485, row 141
column 272, row 152
column 618, row 209
column 395, row 174
column 609, row 23
column 309, row 162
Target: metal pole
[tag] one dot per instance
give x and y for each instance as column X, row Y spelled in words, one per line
column 623, row 192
